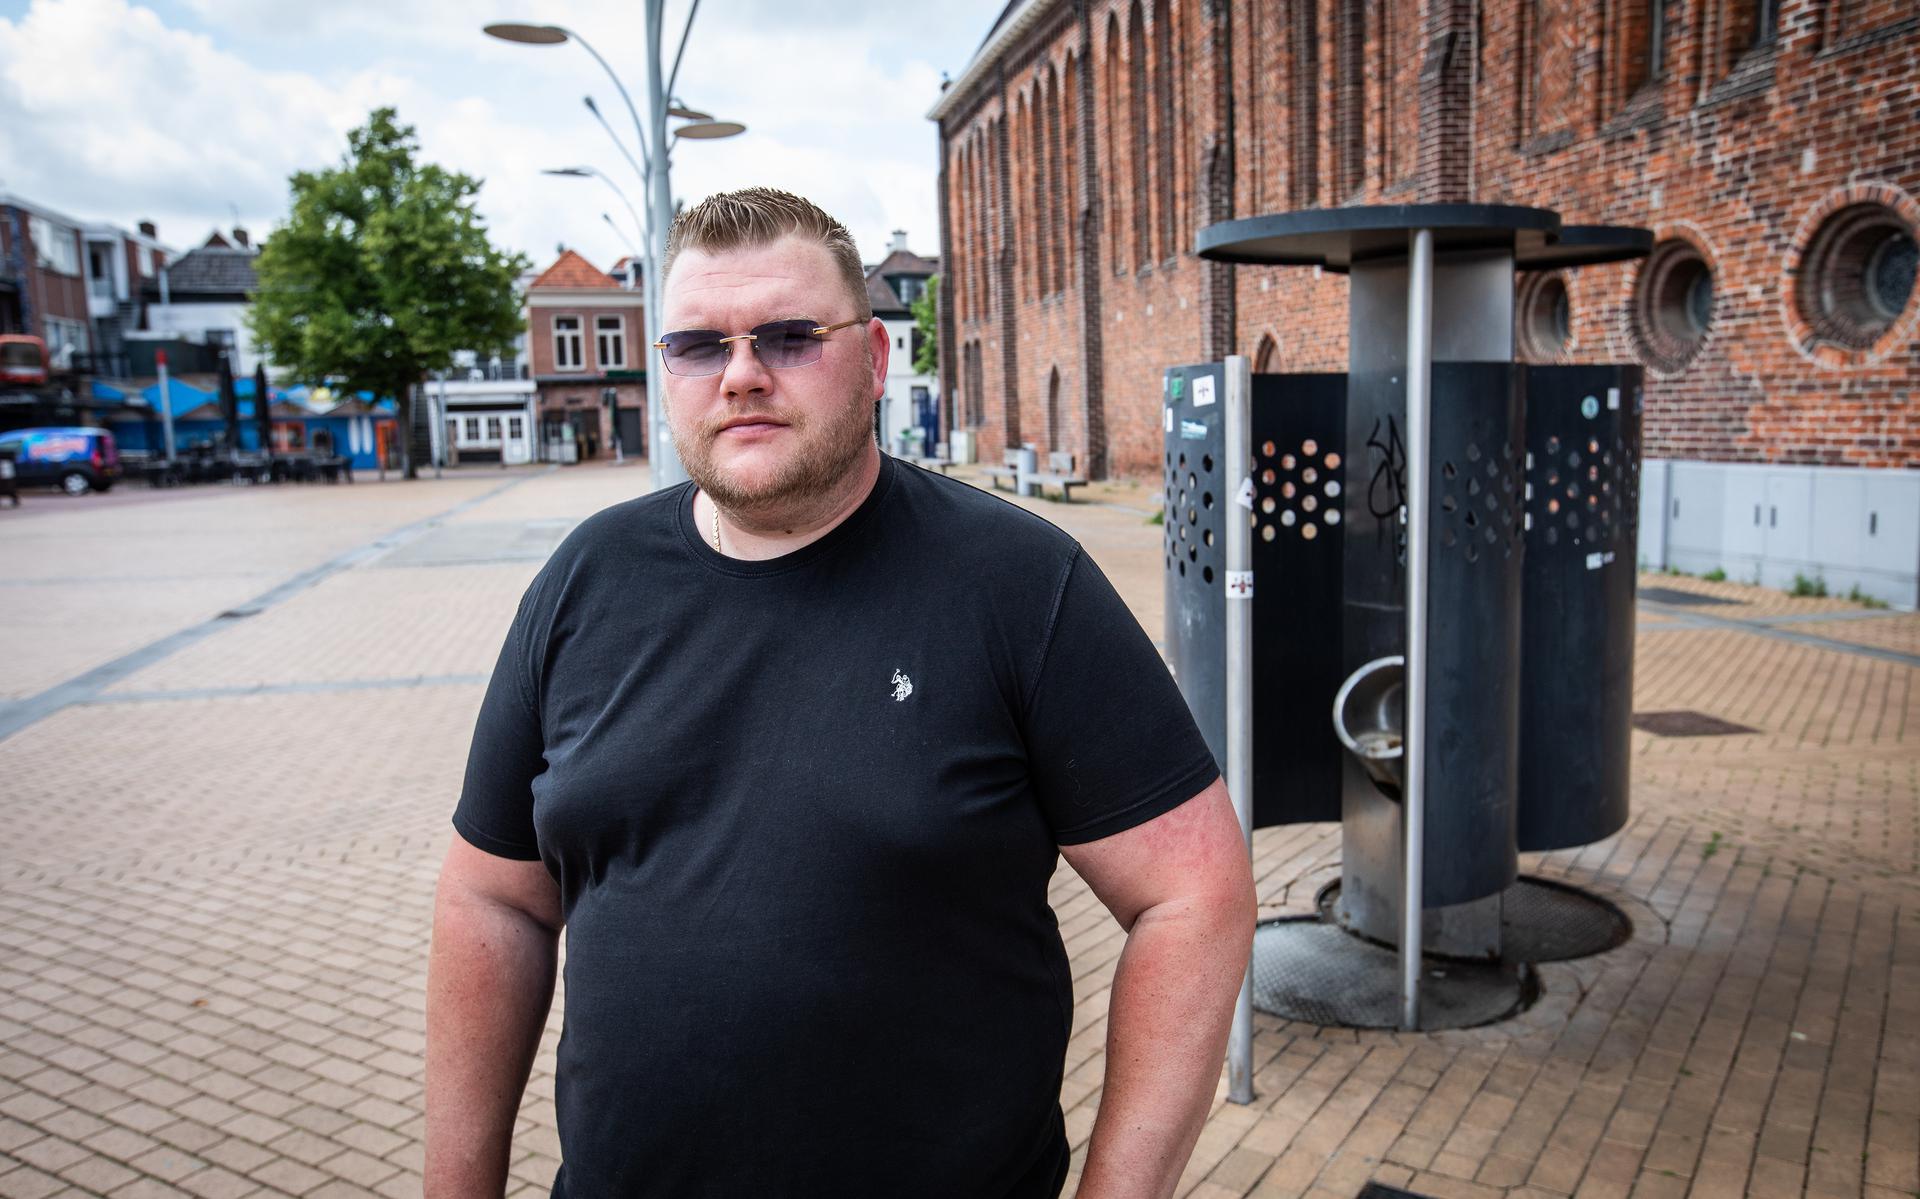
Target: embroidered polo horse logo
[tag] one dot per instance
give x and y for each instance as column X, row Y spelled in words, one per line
column 902, row 687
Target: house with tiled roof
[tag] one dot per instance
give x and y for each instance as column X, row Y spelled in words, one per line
column 585, row 343
column 893, row 284
column 202, row 298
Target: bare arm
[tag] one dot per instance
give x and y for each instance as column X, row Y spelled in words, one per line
column 1182, row 887
column 496, row 926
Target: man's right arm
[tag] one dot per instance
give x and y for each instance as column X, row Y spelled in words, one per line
column 496, row 928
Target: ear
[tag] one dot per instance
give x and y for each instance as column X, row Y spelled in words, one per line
column 881, row 345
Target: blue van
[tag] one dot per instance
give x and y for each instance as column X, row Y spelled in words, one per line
column 76, row 460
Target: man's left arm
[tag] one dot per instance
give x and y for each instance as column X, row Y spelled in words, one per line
column 1182, row 887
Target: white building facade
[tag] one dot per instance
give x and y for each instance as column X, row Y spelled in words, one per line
column 203, row 298
column 907, row 420
column 482, row 421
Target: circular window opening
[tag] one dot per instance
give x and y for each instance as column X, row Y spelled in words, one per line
column 1673, row 305
column 1857, row 275
column 1544, row 317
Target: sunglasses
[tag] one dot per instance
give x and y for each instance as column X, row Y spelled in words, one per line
column 780, row 344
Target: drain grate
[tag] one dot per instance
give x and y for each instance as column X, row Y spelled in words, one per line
column 1320, row 974
column 1686, row 723
column 1552, row 922
column 1540, row 921
column 1687, row 599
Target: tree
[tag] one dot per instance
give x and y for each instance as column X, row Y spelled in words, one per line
column 926, row 323
column 382, row 271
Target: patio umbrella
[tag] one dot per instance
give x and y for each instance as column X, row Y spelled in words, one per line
column 262, row 408
column 229, row 402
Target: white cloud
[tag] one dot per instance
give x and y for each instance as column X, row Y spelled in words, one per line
column 188, row 110
column 158, row 119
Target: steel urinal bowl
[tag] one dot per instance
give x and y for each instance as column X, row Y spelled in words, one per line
column 1369, row 715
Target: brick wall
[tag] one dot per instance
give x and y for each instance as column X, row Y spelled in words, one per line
column 541, row 345
column 1683, row 116
column 45, row 293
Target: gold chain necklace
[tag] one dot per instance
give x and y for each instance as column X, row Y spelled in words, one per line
column 716, row 527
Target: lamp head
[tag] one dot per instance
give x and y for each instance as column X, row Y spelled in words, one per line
column 570, row 172
column 526, row 35
column 710, row 129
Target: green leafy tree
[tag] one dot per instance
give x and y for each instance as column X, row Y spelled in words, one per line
column 382, row 271
column 926, row 322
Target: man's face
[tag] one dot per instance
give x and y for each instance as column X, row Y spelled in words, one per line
column 754, row 437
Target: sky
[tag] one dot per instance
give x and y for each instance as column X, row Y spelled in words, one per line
column 193, row 113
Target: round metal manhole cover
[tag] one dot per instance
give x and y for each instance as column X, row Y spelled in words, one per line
column 1317, row 973
column 1543, row 921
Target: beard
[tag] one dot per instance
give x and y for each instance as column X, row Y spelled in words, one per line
column 824, row 450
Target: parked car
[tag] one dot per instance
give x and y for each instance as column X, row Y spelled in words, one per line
column 76, row 460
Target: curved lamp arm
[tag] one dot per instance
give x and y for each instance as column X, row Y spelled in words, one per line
column 639, row 130
column 638, row 168
column 673, row 76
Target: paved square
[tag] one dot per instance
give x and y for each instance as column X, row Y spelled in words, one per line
column 232, row 728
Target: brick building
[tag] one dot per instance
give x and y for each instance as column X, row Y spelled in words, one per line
column 584, row 335
column 43, row 286
column 1770, row 145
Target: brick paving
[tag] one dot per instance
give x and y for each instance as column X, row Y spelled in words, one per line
column 216, row 884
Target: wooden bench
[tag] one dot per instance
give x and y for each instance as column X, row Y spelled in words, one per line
column 1059, row 473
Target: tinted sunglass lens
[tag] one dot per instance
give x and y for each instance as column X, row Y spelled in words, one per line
column 787, row 343
column 698, row 353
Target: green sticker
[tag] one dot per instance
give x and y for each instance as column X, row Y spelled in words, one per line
column 1179, row 385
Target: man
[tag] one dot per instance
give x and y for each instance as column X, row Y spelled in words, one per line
column 789, row 751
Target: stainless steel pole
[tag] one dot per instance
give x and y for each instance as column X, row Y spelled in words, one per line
column 665, row 463
column 1413, row 805
column 1238, row 436
column 166, row 403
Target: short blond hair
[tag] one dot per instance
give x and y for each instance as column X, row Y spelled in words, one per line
column 757, row 216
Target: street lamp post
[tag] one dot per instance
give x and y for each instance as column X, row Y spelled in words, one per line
column 655, row 165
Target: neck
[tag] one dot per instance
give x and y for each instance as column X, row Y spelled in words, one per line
column 759, row 533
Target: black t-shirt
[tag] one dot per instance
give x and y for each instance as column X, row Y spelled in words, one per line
column 803, row 813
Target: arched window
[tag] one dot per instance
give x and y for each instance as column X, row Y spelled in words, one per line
column 996, row 161
column 1349, row 127
column 1053, row 408
column 975, row 250
column 1044, row 238
column 963, row 269
column 1020, row 159
column 1070, row 164
column 1640, row 30
column 1115, row 143
column 982, row 263
column 961, row 290
column 1164, row 73
column 975, row 386
column 1137, row 170
column 1263, row 356
column 1303, row 105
